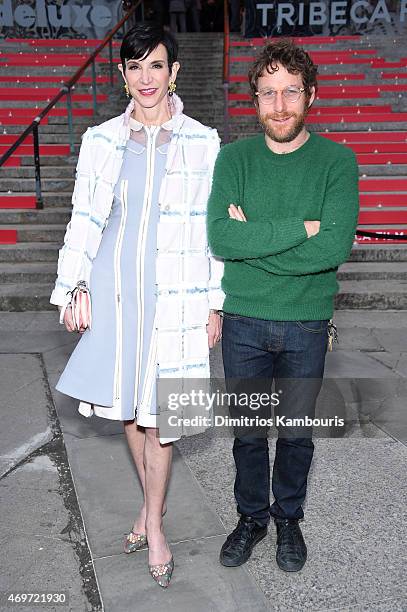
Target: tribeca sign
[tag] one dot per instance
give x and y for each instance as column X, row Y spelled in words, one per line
column 335, row 12
column 66, row 16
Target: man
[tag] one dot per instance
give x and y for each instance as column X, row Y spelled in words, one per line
column 282, row 214
column 235, row 15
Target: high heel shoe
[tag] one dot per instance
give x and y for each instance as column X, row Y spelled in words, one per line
column 135, row 541
column 162, row 573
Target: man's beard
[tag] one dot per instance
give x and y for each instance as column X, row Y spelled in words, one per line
column 283, row 136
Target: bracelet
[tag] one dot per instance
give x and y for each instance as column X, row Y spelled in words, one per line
column 214, row 311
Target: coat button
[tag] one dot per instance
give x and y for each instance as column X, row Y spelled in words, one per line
column 167, row 207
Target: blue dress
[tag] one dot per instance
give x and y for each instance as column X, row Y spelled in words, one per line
column 115, row 354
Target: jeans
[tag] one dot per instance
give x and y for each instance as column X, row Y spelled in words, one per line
column 181, row 19
column 280, row 350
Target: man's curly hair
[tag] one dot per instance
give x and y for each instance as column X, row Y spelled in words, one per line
column 294, row 59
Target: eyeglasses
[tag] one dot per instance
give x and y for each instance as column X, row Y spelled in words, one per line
column 291, row 94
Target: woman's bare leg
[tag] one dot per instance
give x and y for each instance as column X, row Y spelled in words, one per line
column 157, row 462
column 136, row 440
column 136, row 437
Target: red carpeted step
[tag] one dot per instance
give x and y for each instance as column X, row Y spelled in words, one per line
column 55, row 112
column 342, row 77
column 32, row 60
column 350, row 110
column 385, row 137
column 12, row 162
column 239, row 78
column 358, row 91
column 367, row 240
column 387, row 184
column 374, row 148
column 302, row 40
column 11, row 138
column 347, row 95
column 382, row 158
column 372, row 108
column 29, row 91
column 327, row 59
column 28, row 149
column 382, row 63
column 383, row 199
column 44, row 57
column 38, row 94
column 378, row 217
column 21, row 121
column 17, row 202
column 8, row 236
column 61, row 42
column 393, row 75
column 347, row 109
column 340, row 118
column 363, row 89
column 47, row 79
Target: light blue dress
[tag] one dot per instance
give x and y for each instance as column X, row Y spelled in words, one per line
column 131, row 237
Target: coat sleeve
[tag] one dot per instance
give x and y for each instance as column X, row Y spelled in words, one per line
column 70, row 259
column 216, row 295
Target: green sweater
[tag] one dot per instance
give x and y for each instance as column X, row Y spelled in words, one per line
column 272, row 270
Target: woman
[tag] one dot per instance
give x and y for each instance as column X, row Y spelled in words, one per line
column 137, row 235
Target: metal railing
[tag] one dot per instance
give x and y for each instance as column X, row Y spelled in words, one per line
column 226, row 51
column 66, row 91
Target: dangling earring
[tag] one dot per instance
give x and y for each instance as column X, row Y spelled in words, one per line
column 171, row 88
column 126, row 89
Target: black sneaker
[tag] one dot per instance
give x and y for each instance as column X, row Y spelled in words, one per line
column 291, row 549
column 240, row 543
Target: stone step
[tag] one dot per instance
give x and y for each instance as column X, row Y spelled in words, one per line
column 383, row 295
column 46, row 272
column 43, row 103
column 52, row 216
column 12, row 273
column 388, row 295
column 379, row 252
column 17, row 297
column 51, row 199
column 55, row 130
column 29, row 252
column 372, row 271
column 51, row 160
column 28, row 185
column 60, row 172
column 78, row 88
column 38, row 233
column 247, row 125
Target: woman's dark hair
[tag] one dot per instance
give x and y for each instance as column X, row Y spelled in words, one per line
column 294, row 59
column 143, row 38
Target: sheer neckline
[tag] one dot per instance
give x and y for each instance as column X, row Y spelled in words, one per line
column 137, row 125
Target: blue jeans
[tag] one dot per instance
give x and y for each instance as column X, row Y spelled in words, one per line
column 280, row 350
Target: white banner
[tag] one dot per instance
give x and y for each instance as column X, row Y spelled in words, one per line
column 59, row 19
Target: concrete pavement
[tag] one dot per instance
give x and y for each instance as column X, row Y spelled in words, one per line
column 69, row 491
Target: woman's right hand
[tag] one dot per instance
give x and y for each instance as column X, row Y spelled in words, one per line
column 68, row 319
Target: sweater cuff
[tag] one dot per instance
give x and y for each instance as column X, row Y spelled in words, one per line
column 296, row 233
